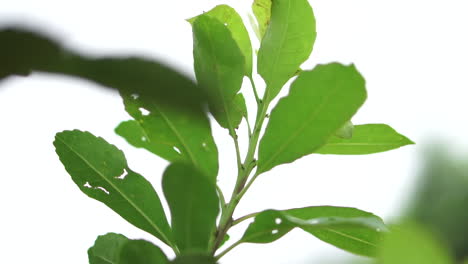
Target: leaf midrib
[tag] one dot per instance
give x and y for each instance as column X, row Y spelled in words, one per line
column 301, row 128
column 219, row 83
column 351, row 237
column 283, row 38
column 137, row 208
column 178, row 135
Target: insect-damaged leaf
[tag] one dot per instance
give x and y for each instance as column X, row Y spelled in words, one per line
column 23, row 51
column 287, row 43
column 219, row 66
column 347, row 228
column 114, row 248
column 231, row 19
column 366, row 139
column 169, row 133
column 319, row 103
column 194, row 206
column 100, row 170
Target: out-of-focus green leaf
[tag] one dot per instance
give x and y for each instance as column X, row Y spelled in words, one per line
column 366, row 139
column 194, row 259
column 219, row 66
column 287, row 43
column 100, row 170
column 117, row 249
column 194, row 206
column 171, row 134
column 231, row 19
column 346, row 131
column 22, row 52
column 262, row 11
column 440, row 198
column 319, row 103
column 413, row 244
column 350, row 229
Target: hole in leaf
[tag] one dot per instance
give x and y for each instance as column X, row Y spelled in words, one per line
column 144, row 139
column 87, row 185
column 144, row 111
column 134, row 96
column 274, row 231
column 177, row 149
column 225, row 24
column 203, row 144
column 123, row 175
column 278, row 221
column 103, row 189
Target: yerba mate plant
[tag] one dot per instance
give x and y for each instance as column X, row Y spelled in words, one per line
column 314, row 118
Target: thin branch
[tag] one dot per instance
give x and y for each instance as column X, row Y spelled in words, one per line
column 243, row 218
column 254, row 90
column 220, row 255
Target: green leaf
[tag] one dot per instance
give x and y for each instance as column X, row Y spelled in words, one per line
column 346, row 131
column 219, row 66
column 413, row 244
column 319, row 103
column 100, row 170
column 287, row 43
column 106, row 249
column 367, row 139
column 347, row 228
column 262, row 11
column 117, row 249
column 171, row 134
column 194, row 259
column 142, row 252
column 23, row 51
column 239, row 109
column 231, row 19
column 194, row 206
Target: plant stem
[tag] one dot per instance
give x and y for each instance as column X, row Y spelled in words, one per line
column 254, row 90
column 243, row 174
column 227, row 250
column 243, row 218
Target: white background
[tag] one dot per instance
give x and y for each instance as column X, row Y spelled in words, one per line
column 412, row 54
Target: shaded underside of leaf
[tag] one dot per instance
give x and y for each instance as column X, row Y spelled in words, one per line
column 169, row 133
column 350, row 229
column 219, row 67
column 23, row 51
column 287, row 43
column 114, row 248
column 318, row 104
column 194, row 206
column 366, row 139
column 100, row 170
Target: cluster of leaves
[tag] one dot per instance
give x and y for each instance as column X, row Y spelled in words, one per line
column 313, row 118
